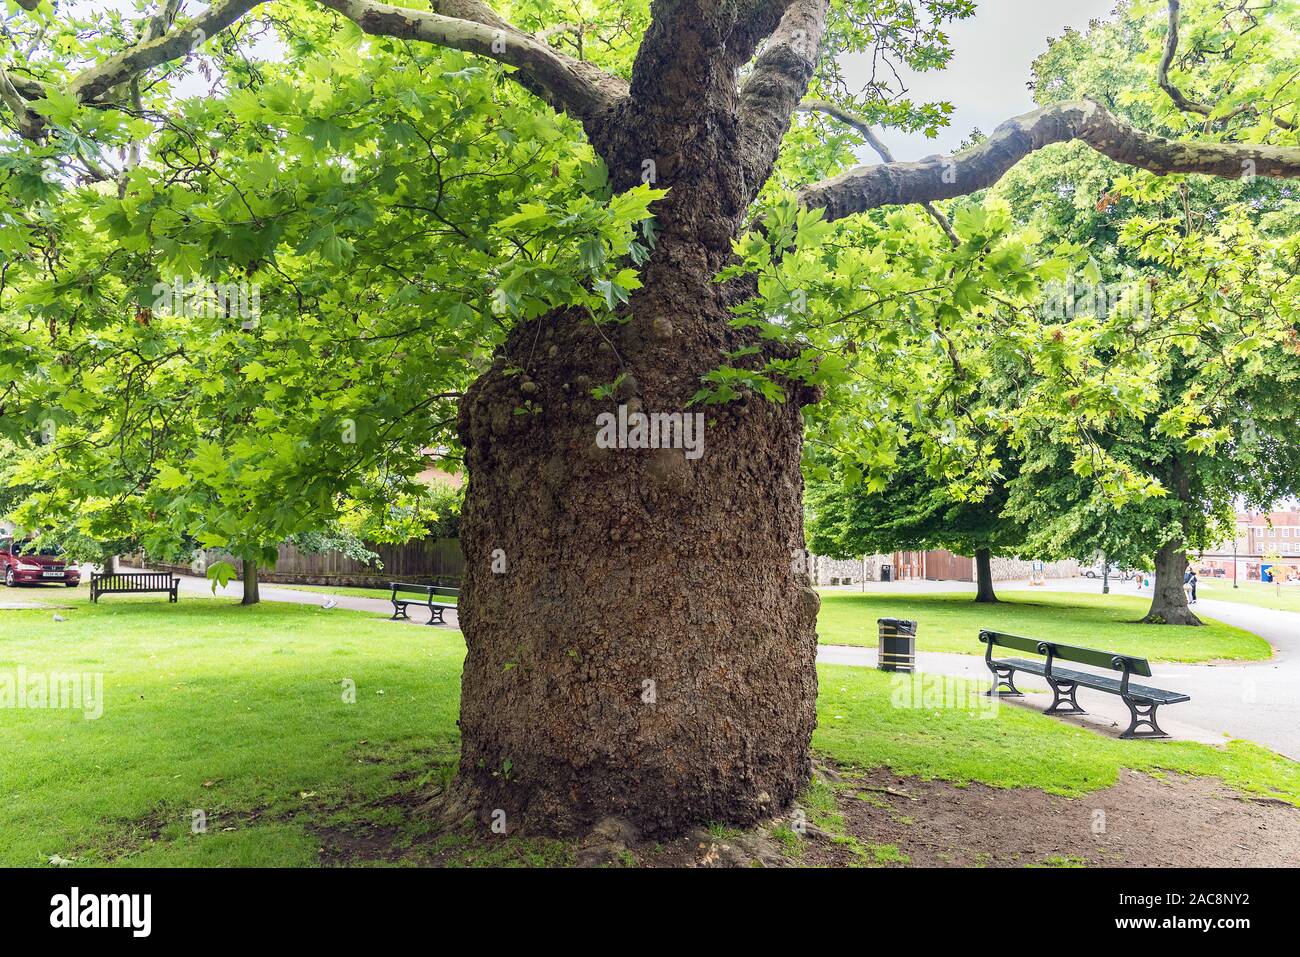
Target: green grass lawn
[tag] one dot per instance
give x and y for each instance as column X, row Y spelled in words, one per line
column 239, row 712
column 952, row 622
column 1016, row 747
column 1286, row 598
column 214, row 707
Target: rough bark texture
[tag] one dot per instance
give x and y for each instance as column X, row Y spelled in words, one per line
column 1169, row 603
column 249, row 576
column 984, row 576
column 649, row 650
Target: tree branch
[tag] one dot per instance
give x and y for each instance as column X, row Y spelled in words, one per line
column 99, row 79
column 1180, row 100
column 570, row 85
column 574, row 86
column 778, row 82
column 682, row 64
column 860, row 124
column 941, row 177
column 30, row 123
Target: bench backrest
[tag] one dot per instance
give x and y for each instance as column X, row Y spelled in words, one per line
column 429, row 590
column 132, row 581
column 1083, row 656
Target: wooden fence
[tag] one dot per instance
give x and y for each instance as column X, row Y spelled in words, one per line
column 429, row 561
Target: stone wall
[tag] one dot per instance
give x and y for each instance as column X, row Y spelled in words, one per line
column 847, row 571
column 1018, row 569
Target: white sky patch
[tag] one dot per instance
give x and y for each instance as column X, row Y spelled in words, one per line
column 985, row 79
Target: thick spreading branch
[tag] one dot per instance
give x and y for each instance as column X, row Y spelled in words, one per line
column 116, row 70
column 30, row 123
column 576, row 87
column 777, row 84
column 943, row 177
column 886, row 155
column 569, row 84
column 683, row 65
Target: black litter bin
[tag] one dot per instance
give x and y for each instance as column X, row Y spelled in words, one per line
column 886, row 573
column 897, row 648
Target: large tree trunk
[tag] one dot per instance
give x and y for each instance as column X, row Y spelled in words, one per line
column 640, row 625
column 984, row 576
column 639, row 622
column 1169, row 601
column 251, row 594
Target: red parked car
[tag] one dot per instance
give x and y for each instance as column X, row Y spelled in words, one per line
column 23, row 563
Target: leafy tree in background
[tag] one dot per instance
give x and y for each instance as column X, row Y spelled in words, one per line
column 1198, row 260
column 429, row 197
column 914, row 511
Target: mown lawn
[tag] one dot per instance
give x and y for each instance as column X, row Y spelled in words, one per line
column 952, row 622
column 240, row 713
column 1283, row 598
column 221, row 709
column 1010, row 747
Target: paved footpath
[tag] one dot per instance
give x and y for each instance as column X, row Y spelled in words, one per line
column 1259, row 701
column 380, row 606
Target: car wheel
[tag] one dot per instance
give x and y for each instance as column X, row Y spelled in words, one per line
column 9, row 578
column 72, row 584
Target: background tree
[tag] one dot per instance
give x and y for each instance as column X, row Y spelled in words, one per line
column 1192, row 277
column 913, row 511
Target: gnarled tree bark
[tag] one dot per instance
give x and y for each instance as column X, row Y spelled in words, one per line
column 640, row 631
column 640, row 641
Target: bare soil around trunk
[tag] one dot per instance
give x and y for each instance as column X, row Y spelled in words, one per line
column 881, row 819
column 1142, row 821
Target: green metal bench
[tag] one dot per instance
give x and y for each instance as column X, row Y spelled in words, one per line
column 1142, row 700
column 429, row 593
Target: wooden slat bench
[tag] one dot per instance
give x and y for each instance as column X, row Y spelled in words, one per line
column 1142, row 700
column 131, row 583
column 430, row 592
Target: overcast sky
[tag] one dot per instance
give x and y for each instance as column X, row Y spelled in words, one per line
column 985, row 80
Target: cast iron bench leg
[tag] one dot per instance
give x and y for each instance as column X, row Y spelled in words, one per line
column 399, row 611
column 1003, row 675
column 435, row 616
column 1063, row 701
column 1142, row 712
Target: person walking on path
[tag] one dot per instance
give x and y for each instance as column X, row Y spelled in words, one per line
column 1189, row 582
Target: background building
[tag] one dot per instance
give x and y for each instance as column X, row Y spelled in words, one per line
column 933, row 565
column 1258, row 536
